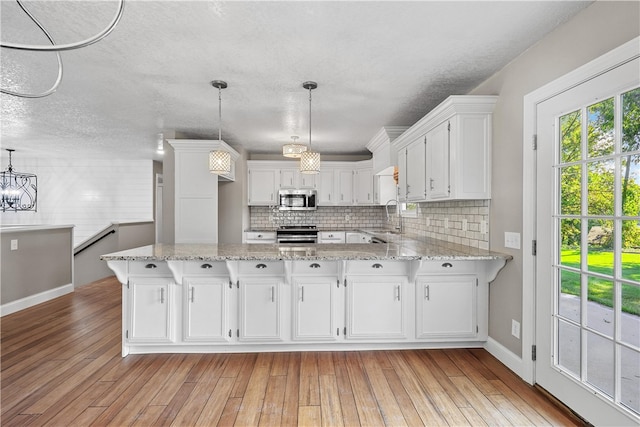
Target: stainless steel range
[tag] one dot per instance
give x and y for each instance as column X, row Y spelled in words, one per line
column 297, row 234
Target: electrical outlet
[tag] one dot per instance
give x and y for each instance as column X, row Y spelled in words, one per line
column 14, row 244
column 347, row 217
column 465, row 225
column 515, row 328
column 511, row 240
column 446, row 223
column 483, row 227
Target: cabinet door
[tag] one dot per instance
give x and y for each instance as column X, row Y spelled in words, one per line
column 306, row 181
column 364, row 187
column 326, row 190
column 288, row 178
column 446, row 307
column 260, row 309
column 402, row 175
column 262, row 187
column 345, row 187
column 150, row 309
column 416, row 170
column 313, row 310
column 438, row 162
column 205, row 317
column 375, row 307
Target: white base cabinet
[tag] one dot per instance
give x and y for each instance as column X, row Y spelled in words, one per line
column 234, row 306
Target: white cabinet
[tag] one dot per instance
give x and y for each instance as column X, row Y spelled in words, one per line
column 331, row 237
column 206, row 309
column 288, row 178
column 447, row 153
column 150, row 310
column 306, row 181
column 363, row 187
column 314, row 308
column 267, row 237
column 262, row 187
column 259, row 309
column 344, row 187
column 357, row 237
column 446, row 307
column 326, row 187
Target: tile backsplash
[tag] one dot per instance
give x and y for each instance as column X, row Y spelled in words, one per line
column 430, row 220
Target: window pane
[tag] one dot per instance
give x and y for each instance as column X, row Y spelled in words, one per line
column 570, row 235
column 570, row 185
column 600, row 363
column 600, row 305
column 600, row 249
column 631, row 120
column 630, row 185
column 600, row 140
column 600, row 187
column 569, row 298
column 570, row 137
column 630, row 383
column 569, row 347
column 631, row 250
column 630, row 317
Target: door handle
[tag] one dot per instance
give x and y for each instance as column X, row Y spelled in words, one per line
column 161, row 295
column 398, row 292
column 193, row 292
column 315, row 265
column 302, row 293
column 206, row 266
column 426, row 293
column 272, row 294
column 150, row 266
column 261, row 266
column 376, row 265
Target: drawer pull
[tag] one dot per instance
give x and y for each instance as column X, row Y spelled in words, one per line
column 376, row 265
column 150, row 266
column 259, row 236
column 314, row 265
column 261, row 266
column 206, row 266
column 447, row 265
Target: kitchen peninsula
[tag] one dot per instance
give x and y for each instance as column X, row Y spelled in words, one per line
column 405, row 293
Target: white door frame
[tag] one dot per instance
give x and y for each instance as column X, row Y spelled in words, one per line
column 600, row 65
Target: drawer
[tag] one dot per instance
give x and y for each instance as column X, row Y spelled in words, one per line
column 447, row 267
column 263, row 268
column 261, row 235
column 331, row 235
column 149, row 268
column 387, row 268
column 209, row 268
column 319, row 268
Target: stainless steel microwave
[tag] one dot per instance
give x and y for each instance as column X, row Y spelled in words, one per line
column 297, row 200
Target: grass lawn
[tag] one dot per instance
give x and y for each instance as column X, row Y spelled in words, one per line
column 601, row 291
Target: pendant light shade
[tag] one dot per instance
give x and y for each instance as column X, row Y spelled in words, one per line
column 18, row 190
column 309, row 159
column 219, row 160
column 293, row 150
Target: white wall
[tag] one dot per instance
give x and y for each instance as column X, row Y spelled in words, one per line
column 87, row 193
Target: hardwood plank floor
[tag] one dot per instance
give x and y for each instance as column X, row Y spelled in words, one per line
column 61, row 366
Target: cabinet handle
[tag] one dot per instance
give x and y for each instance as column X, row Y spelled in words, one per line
column 150, row 266
column 398, row 292
column 376, row 265
column 272, row 294
column 368, row 196
column 431, row 183
column 315, row 265
column 161, row 295
column 193, row 292
column 261, row 266
column 426, row 293
column 330, row 235
column 329, row 196
column 302, row 293
column 206, row 266
column 447, row 265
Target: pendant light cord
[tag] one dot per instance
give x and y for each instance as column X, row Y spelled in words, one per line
column 310, row 118
column 56, row 48
column 219, row 113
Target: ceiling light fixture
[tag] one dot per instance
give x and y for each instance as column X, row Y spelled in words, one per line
column 293, row 150
column 57, row 48
column 309, row 159
column 160, row 143
column 219, row 160
column 18, row 191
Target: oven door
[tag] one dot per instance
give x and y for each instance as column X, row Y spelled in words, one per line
column 297, row 240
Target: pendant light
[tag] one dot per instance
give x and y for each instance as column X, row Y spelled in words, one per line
column 18, row 191
column 309, row 159
column 219, row 160
column 293, row 150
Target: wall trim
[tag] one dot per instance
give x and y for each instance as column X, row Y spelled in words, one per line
column 506, row 356
column 31, row 300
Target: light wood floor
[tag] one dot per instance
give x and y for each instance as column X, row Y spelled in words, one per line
column 61, row 366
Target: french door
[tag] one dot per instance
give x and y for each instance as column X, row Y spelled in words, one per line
column 588, row 240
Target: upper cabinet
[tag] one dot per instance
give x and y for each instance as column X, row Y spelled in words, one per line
column 447, row 154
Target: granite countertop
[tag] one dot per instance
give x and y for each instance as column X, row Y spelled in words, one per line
column 402, row 249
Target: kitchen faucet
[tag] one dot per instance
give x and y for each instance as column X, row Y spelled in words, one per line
column 386, row 208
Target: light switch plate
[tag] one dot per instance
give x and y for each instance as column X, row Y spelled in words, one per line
column 483, row 227
column 14, row 244
column 515, row 328
column 511, row 240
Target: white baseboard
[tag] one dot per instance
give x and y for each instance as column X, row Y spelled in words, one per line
column 26, row 302
column 506, row 356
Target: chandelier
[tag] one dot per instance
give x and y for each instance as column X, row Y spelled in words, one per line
column 309, row 159
column 293, row 150
column 18, row 190
column 219, row 160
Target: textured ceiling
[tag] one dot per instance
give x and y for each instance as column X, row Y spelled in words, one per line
column 376, row 64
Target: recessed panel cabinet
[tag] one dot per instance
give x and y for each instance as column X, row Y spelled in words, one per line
column 206, row 309
column 260, row 309
column 262, row 187
column 151, row 302
column 314, row 315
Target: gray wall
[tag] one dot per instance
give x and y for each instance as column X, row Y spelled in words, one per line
column 233, row 212
column 42, row 262
column 598, row 29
